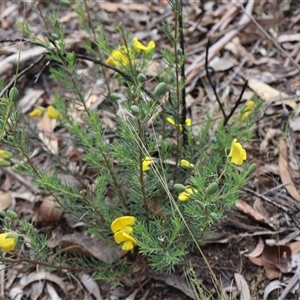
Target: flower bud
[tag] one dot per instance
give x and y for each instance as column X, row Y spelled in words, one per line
column 179, row 188
column 5, row 154
column 13, row 94
column 11, row 214
column 141, row 78
column 160, row 89
column 252, row 168
column 135, row 109
column 4, row 163
column 212, row 188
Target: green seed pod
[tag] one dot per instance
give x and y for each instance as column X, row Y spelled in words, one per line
column 135, row 109
column 115, row 96
column 160, row 89
column 252, row 168
column 11, row 214
column 13, row 94
column 141, row 78
column 179, row 51
column 212, row 188
column 10, row 139
column 179, row 188
column 54, row 36
column 4, row 163
column 214, row 216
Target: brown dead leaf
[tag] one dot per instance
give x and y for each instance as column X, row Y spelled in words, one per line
column 5, row 199
column 275, row 259
column 284, row 171
column 268, row 93
column 91, row 286
column 46, row 212
column 247, row 209
column 295, row 247
column 80, row 244
column 243, row 286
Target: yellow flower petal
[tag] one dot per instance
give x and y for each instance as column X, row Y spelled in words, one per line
column 117, row 58
column 146, row 163
column 186, row 164
column 121, row 223
column 138, row 46
column 150, row 46
column 52, row 113
column 122, row 236
column 237, row 153
column 127, row 246
column 171, row 121
column 188, row 122
column 8, row 243
column 127, row 240
column 186, row 195
column 37, row 112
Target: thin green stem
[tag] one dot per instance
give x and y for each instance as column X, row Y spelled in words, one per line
column 142, row 179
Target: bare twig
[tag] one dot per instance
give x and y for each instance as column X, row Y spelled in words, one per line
column 20, row 74
column 227, row 118
column 210, row 81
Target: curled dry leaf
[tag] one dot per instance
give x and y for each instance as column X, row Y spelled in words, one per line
column 284, row 171
column 258, row 249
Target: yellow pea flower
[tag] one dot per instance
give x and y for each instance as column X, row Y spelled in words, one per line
column 186, row 194
column 186, row 164
column 8, row 241
column 188, row 122
column 146, row 163
column 52, row 113
column 127, row 240
column 121, row 227
column 122, row 223
column 237, row 153
column 138, row 46
column 118, row 58
column 37, row 112
column 247, row 110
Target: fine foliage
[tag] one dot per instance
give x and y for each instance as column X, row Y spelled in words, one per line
column 159, row 181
